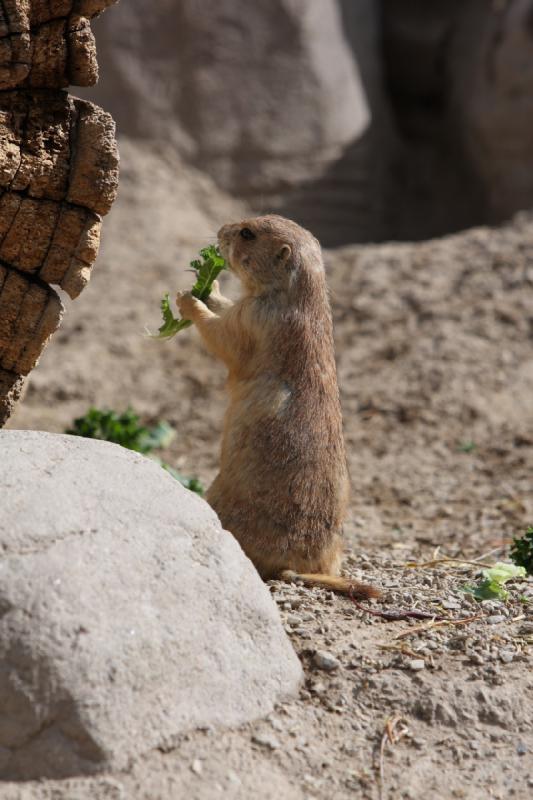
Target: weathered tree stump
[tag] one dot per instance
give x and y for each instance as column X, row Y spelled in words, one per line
column 58, row 174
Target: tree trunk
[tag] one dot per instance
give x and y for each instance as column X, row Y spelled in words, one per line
column 58, row 174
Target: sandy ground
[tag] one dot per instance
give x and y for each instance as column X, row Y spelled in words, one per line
column 435, row 360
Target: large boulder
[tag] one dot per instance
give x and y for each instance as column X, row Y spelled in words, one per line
column 127, row 615
column 261, row 95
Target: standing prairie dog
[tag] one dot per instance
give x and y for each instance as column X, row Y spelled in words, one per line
column 282, row 489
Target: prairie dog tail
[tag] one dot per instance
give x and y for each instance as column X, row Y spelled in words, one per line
column 361, row 591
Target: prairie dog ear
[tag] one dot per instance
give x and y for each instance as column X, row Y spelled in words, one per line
column 284, row 254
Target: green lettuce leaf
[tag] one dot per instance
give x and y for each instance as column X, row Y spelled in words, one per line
column 494, row 579
column 207, row 268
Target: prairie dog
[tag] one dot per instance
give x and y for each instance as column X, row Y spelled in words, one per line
column 282, row 489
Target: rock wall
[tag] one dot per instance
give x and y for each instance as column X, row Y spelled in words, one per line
column 260, row 95
column 364, row 120
column 58, row 174
column 491, row 73
column 459, row 75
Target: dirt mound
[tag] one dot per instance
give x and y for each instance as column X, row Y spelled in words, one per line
column 435, row 359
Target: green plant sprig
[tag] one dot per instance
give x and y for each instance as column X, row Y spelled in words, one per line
column 522, row 551
column 121, row 428
column 207, row 269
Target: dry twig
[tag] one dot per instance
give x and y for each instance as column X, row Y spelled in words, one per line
column 437, row 623
column 436, row 561
column 397, row 614
column 395, row 729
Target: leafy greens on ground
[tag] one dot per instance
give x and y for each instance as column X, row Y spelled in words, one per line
column 491, row 587
column 522, row 551
column 125, row 429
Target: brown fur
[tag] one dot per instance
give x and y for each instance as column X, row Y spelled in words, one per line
column 282, row 489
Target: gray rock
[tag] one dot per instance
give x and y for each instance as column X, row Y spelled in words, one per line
column 127, row 615
column 415, row 664
column 507, row 656
column 326, row 661
column 294, row 619
column 197, row 766
column 267, row 740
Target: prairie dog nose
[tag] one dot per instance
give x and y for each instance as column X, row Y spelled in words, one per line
column 226, row 231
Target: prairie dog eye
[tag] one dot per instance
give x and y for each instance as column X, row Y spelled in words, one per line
column 246, row 233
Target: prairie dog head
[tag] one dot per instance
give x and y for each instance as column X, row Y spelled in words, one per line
column 269, row 252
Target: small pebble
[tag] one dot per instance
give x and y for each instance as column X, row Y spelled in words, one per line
column 294, row 619
column 526, row 627
column 495, row 619
column 450, row 604
column 266, row 740
column 324, row 660
column 521, row 748
column 196, row 766
column 416, row 664
column 506, row 656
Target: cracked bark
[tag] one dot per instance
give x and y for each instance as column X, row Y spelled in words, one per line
column 48, row 44
column 58, row 174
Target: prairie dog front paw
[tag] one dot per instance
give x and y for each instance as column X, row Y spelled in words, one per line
column 188, row 305
column 216, row 300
